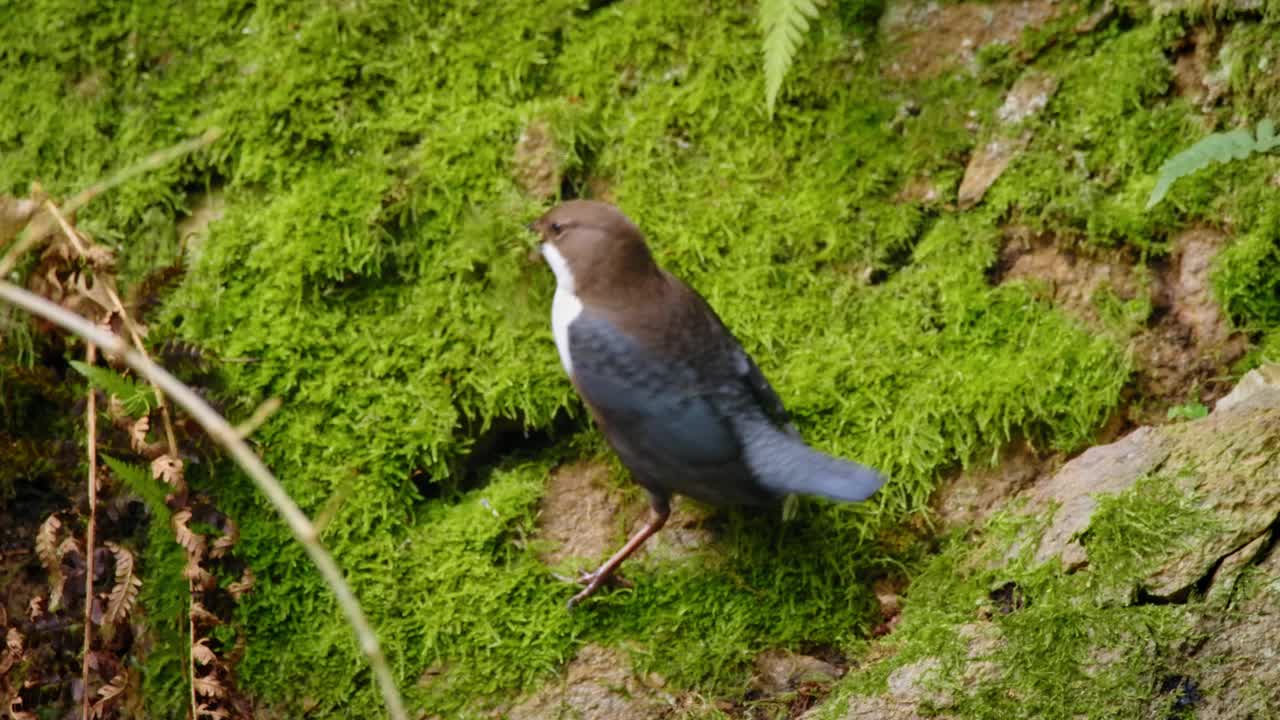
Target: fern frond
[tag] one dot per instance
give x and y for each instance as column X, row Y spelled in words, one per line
column 168, row 469
column 227, row 540
column 209, row 686
column 140, row 483
column 241, row 587
column 137, row 398
column 47, row 544
column 203, row 654
column 784, row 23
column 109, row 692
column 125, row 592
column 193, row 542
column 1221, row 147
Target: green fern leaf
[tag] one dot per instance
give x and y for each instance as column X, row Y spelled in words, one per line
column 138, row 399
column 140, row 483
column 784, row 23
column 1223, row 147
column 1267, row 138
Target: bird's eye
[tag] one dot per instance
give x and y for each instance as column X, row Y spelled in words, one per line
column 556, row 227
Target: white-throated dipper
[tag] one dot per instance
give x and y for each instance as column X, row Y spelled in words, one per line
column 683, row 405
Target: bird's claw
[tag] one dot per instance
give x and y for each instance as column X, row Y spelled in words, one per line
column 593, row 581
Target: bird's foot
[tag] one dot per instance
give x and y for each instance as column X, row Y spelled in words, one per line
column 593, row 581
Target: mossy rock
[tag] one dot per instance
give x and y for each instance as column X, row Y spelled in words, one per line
column 1105, row 593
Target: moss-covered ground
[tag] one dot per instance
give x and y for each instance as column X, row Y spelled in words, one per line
column 372, row 271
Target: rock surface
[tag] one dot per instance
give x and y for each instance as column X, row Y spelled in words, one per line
column 1226, row 467
column 598, row 684
column 1226, row 462
column 932, row 37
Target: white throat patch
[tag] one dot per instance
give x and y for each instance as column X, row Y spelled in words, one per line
column 566, row 306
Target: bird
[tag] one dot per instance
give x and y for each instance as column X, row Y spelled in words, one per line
column 685, row 408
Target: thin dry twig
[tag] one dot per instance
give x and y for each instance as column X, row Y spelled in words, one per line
column 91, row 419
column 224, row 434
column 132, row 327
column 259, row 416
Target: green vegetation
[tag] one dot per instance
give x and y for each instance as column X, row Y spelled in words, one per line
column 1010, row 637
column 784, row 23
column 371, row 270
column 136, row 397
column 1220, row 147
column 1246, row 274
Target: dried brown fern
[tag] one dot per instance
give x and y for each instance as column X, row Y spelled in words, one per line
column 17, row 713
column 193, row 542
column 110, row 693
column 13, row 650
column 203, row 654
column 168, row 469
column 241, row 587
column 125, row 591
column 198, row 613
column 210, row 686
column 47, row 545
column 230, row 536
column 79, row 275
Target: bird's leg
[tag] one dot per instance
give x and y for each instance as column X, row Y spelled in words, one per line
column 659, row 511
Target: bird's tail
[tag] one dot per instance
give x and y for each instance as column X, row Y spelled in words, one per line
column 785, row 465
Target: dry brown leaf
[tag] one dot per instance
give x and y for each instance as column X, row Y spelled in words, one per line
column 203, row 710
column 138, row 433
column 13, row 650
column 110, row 692
column 16, row 712
column 68, row 545
column 201, row 615
column 168, row 469
column 209, row 686
column 15, row 213
column 198, row 575
column 227, row 540
column 125, row 592
column 241, row 587
column 13, row 641
column 47, row 543
column 100, row 257
column 203, row 654
column 35, row 608
column 95, row 292
column 193, row 543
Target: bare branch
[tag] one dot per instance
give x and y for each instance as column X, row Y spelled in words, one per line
column 91, row 419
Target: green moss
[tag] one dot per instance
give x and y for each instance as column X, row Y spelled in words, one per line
column 1009, row 637
column 371, row 271
column 1251, row 56
column 1088, row 169
column 1246, row 275
column 1131, row 534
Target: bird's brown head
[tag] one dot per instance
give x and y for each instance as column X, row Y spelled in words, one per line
column 594, row 249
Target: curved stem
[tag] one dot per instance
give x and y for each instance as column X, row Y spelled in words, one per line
column 224, row 434
column 91, row 419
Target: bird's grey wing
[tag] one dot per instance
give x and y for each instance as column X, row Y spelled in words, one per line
column 763, row 392
column 654, row 402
